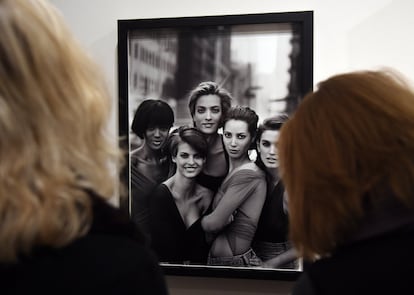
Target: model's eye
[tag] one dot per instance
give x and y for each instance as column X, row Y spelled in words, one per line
column 215, row 110
column 265, row 143
column 184, row 155
column 227, row 134
column 151, row 129
column 241, row 136
column 198, row 157
column 201, row 110
column 164, row 129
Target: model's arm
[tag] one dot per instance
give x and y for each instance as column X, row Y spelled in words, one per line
column 241, row 189
column 285, row 203
column 286, row 257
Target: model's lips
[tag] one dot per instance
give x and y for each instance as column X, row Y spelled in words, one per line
column 208, row 125
column 190, row 169
column 271, row 160
column 156, row 142
column 233, row 151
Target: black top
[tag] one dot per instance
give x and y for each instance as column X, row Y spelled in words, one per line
column 110, row 259
column 213, row 182
column 210, row 182
column 378, row 260
column 273, row 224
column 170, row 238
column 141, row 187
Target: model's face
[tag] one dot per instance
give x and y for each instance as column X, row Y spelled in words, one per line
column 267, row 148
column 236, row 138
column 208, row 113
column 189, row 161
column 156, row 136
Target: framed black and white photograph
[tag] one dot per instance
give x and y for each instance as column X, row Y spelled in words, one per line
column 190, row 89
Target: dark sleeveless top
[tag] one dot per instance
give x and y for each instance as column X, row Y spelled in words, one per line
column 141, row 187
column 273, row 223
column 210, row 182
column 213, row 182
column 172, row 241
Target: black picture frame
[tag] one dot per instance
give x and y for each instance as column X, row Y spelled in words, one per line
column 300, row 81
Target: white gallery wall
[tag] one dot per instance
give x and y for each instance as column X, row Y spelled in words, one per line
column 348, row 35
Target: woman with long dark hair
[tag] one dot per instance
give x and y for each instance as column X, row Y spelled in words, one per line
column 271, row 238
column 239, row 200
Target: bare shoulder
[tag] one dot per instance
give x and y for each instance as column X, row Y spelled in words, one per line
column 203, row 195
column 137, row 153
column 202, row 192
column 139, row 157
column 252, row 166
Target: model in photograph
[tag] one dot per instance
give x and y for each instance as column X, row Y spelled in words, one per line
column 149, row 164
column 178, row 204
column 240, row 198
column 208, row 104
column 271, row 238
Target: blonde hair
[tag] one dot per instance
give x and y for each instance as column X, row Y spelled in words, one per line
column 54, row 108
column 350, row 142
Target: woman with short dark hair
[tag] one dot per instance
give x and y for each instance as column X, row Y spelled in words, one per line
column 178, row 204
column 149, row 163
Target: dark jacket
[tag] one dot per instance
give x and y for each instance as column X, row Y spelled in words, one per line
column 111, row 259
column 379, row 259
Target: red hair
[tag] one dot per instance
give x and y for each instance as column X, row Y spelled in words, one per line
column 349, row 141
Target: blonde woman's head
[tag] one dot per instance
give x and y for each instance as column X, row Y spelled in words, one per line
column 53, row 114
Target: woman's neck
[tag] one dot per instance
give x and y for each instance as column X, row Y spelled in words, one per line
column 274, row 173
column 235, row 163
column 150, row 154
column 212, row 138
column 182, row 187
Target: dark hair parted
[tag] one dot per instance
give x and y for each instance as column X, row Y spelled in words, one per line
column 152, row 113
column 349, row 144
column 210, row 88
column 273, row 123
column 246, row 114
column 190, row 135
